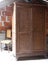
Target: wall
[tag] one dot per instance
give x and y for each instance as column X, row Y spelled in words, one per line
column 2, row 37
column 6, row 17
column 5, row 20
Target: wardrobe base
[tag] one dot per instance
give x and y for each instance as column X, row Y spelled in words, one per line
column 36, row 57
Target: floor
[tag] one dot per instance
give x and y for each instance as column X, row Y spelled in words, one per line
column 7, row 58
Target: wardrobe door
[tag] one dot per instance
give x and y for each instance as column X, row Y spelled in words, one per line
column 24, row 30
column 38, row 29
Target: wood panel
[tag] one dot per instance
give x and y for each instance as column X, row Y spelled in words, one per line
column 38, row 28
column 24, row 28
column 38, row 19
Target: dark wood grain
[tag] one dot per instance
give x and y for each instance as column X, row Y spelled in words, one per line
column 30, row 29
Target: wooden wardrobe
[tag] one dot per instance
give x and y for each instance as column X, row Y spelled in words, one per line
column 30, row 29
